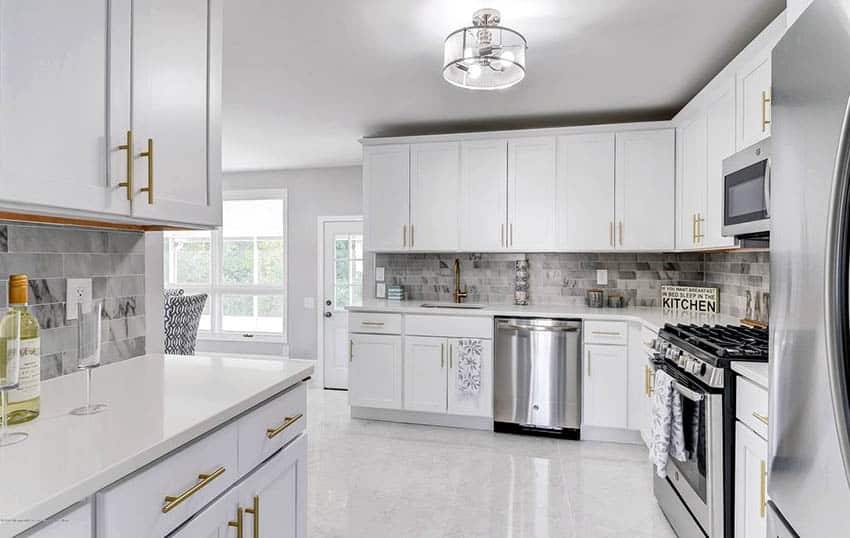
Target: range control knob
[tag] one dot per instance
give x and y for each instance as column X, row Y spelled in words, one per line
column 702, row 369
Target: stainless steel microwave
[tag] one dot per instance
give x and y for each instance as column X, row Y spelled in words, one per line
column 746, row 191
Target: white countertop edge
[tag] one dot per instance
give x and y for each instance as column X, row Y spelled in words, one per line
column 81, row 491
column 757, row 372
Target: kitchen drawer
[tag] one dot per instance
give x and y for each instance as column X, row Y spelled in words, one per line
column 751, row 406
column 374, row 323
column 450, row 326
column 136, row 506
column 271, row 426
column 606, row 332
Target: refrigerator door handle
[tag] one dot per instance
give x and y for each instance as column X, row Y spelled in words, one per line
column 837, row 317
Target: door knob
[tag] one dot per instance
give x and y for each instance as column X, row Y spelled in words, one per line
column 328, row 302
column 328, row 314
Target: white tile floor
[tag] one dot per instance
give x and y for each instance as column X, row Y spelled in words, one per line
column 381, row 479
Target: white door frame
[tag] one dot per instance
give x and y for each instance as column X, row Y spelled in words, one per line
column 320, row 290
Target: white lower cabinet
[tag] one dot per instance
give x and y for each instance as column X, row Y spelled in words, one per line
column 74, row 523
column 750, row 483
column 425, row 375
column 375, row 371
column 605, row 402
column 640, row 380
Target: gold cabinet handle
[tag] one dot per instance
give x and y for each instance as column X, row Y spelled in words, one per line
column 238, row 523
column 647, row 379
column 404, row 235
column 700, row 221
column 203, row 479
column 450, row 357
column 605, row 333
column 760, row 418
column 442, row 353
column 763, row 492
column 271, row 433
column 128, row 147
column 611, row 233
column 411, row 236
column 149, row 155
column 350, row 350
column 255, row 511
column 764, row 101
column 511, row 230
column 588, row 364
column 502, row 235
column 372, row 323
column 621, row 233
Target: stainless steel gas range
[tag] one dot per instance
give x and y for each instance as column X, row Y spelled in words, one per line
column 697, row 495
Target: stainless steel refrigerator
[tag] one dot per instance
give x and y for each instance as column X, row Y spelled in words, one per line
column 808, row 481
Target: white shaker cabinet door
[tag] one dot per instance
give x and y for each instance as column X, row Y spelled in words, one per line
column 176, row 60
column 532, row 194
column 484, row 195
column 64, row 82
column 605, row 400
column 374, row 374
column 720, row 143
column 463, row 399
column 754, row 106
column 213, row 521
column 750, row 483
column 435, row 196
column 692, row 181
column 586, row 191
column 645, row 187
column 425, row 363
column 386, row 188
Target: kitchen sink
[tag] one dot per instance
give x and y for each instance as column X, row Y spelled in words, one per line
column 452, row 305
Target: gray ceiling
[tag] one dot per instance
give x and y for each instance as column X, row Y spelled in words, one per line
column 304, row 80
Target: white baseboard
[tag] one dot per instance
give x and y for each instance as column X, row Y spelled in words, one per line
column 611, row 435
column 419, row 417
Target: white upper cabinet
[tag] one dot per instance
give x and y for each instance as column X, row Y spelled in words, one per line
column 63, row 104
column 386, row 184
column 586, row 191
column 645, row 186
column 435, row 196
column 177, row 110
column 720, row 144
column 532, row 194
column 692, row 181
column 484, row 195
column 753, row 115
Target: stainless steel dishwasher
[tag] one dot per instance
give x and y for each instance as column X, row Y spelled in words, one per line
column 537, row 385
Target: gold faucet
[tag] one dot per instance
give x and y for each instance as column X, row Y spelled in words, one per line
column 459, row 295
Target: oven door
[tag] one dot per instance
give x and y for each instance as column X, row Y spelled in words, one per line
column 746, row 192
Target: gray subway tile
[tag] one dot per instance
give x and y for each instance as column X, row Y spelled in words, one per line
column 32, row 265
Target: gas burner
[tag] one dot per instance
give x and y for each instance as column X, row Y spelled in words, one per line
column 720, row 344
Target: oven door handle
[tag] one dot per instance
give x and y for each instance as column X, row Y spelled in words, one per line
column 767, row 187
column 688, row 393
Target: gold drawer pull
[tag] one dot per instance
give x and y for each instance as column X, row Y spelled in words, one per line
column 239, row 524
column 255, row 511
column 149, row 155
column 764, row 101
column 760, row 418
column 129, row 148
column 763, row 492
column 605, row 333
column 271, row 433
column 173, row 502
column 372, row 323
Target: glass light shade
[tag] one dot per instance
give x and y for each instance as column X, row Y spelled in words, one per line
column 484, row 58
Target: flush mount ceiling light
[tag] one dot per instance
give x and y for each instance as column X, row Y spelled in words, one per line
column 484, row 56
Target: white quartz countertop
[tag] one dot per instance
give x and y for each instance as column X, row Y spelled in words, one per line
column 651, row 317
column 754, row 371
column 156, row 404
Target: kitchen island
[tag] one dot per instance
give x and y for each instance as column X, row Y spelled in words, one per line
column 172, row 424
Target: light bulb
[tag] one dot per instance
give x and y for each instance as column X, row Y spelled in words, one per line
column 467, row 53
column 474, row 71
column 508, row 56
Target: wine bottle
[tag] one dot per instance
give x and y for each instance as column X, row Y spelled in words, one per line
column 19, row 333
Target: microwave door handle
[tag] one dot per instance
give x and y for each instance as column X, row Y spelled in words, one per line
column 836, row 303
column 688, row 393
column 767, row 186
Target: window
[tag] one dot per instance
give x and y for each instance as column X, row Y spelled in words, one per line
column 348, row 270
column 242, row 266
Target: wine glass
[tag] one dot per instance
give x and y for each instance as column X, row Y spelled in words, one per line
column 89, row 326
column 10, row 362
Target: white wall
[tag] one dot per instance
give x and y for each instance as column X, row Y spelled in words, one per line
column 311, row 193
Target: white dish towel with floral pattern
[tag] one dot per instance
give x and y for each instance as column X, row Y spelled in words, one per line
column 668, row 433
column 469, row 366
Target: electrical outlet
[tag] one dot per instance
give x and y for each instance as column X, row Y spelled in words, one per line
column 78, row 291
column 602, row 277
column 379, row 274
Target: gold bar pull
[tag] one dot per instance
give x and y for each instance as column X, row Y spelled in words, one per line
column 404, row 235
column 502, row 236
column 611, row 233
column 350, row 350
column 238, row 523
column 271, row 433
column 411, row 236
column 450, row 356
column 588, row 364
column 255, row 511
column 172, row 502
column 621, row 233
column 760, row 418
column 700, row 221
column 764, row 101
column 511, row 226
column 646, row 382
column 149, row 155
column 442, row 353
column 763, row 492
column 128, row 147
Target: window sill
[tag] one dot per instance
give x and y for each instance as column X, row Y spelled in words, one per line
column 264, row 338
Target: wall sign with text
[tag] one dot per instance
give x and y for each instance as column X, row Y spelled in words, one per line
column 689, row 299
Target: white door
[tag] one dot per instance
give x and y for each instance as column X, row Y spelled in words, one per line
column 425, row 363
column 605, row 386
column 645, row 190
column 386, row 184
column 532, row 194
column 212, row 521
column 586, row 191
column 342, row 268
column 434, row 196
column 374, row 371
column 484, row 195
column 692, row 181
column 274, row 497
column 753, row 110
column 177, row 109
column 64, row 103
column 750, row 483
column 467, row 401
column 720, row 143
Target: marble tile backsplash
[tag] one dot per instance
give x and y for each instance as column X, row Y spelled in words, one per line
column 50, row 254
column 564, row 278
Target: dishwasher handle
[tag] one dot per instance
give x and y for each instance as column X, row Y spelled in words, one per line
column 539, row 325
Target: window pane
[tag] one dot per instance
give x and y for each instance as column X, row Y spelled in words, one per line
column 238, row 305
column 356, row 295
column 356, row 247
column 341, row 297
column 253, row 314
column 206, row 318
column 356, row 272
column 238, row 262
column 187, row 258
column 341, row 247
column 270, row 253
column 341, row 277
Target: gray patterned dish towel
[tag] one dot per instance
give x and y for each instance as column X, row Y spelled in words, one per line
column 668, row 434
column 469, row 366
